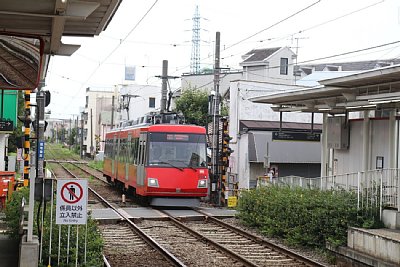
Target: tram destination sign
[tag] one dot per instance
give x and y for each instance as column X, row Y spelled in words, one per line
column 6, row 125
column 296, row 136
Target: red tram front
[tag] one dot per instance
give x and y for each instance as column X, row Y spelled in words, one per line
column 166, row 163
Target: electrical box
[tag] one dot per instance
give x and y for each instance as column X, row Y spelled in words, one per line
column 338, row 132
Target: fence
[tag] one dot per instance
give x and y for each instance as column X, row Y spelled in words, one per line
column 375, row 188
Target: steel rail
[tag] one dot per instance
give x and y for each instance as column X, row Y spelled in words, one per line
column 223, row 249
column 262, row 241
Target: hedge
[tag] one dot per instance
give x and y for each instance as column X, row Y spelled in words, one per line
column 304, row 217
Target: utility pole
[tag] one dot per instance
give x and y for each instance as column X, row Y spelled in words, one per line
column 76, row 132
column 164, row 86
column 81, row 146
column 126, row 104
column 91, row 133
column 70, row 133
column 297, row 55
column 215, row 177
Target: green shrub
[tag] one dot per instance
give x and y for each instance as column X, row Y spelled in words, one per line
column 304, row 217
column 98, row 165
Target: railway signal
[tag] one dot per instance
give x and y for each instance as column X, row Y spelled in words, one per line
column 226, row 151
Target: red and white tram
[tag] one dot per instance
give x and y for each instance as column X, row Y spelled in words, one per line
column 165, row 163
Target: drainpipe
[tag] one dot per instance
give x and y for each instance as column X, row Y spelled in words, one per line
column 324, row 152
column 392, row 139
column 365, row 151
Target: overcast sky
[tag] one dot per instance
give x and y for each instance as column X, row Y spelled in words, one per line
column 320, row 28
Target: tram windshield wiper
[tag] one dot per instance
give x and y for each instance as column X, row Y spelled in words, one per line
column 168, row 163
column 187, row 165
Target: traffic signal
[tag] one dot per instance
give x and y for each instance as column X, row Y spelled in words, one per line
column 47, row 98
column 226, row 151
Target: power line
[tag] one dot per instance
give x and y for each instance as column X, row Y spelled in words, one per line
column 332, row 56
column 273, row 25
column 272, row 40
column 269, row 27
column 123, row 40
column 350, row 52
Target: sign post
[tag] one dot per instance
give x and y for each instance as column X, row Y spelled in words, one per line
column 71, row 207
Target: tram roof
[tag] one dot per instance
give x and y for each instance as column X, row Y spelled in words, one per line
column 176, row 128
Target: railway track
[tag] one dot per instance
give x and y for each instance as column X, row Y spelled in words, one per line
column 125, row 240
column 208, row 242
column 235, row 244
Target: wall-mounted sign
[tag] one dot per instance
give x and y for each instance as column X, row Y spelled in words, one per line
column 296, row 136
column 6, row 126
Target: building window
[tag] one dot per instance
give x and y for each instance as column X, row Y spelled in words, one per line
column 284, row 65
column 152, row 102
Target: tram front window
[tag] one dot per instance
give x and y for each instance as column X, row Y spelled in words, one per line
column 181, row 150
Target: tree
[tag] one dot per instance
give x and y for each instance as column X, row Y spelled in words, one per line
column 194, row 106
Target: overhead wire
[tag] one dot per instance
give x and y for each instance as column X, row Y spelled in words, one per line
column 118, row 45
column 276, row 39
column 267, row 28
column 311, row 60
column 275, row 24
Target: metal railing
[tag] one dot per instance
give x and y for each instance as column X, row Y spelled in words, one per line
column 375, row 188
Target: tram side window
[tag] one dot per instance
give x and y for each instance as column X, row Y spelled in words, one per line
column 123, row 150
column 114, row 147
column 108, row 149
column 126, row 145
column 142, row 150
column 128, row 151
column 134, row 152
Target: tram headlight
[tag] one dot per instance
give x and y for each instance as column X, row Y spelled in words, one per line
column 152, row 182
column 202, row 184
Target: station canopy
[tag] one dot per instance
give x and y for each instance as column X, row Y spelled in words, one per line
column 372, row 89
column 52, row 19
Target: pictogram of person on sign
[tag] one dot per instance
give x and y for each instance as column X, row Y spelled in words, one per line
column 71, row 192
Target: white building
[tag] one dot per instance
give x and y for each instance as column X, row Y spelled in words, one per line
column 97, row 118
column 254, row 128
column 137, row 100
column 269, row 65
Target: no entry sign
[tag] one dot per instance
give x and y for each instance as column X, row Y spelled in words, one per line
column 71, row 205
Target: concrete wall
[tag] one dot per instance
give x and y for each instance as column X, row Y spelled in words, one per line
column 376, row 243
column 350, row 160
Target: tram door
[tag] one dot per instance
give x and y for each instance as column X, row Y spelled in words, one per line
column 128, row 150
column 141, row 159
